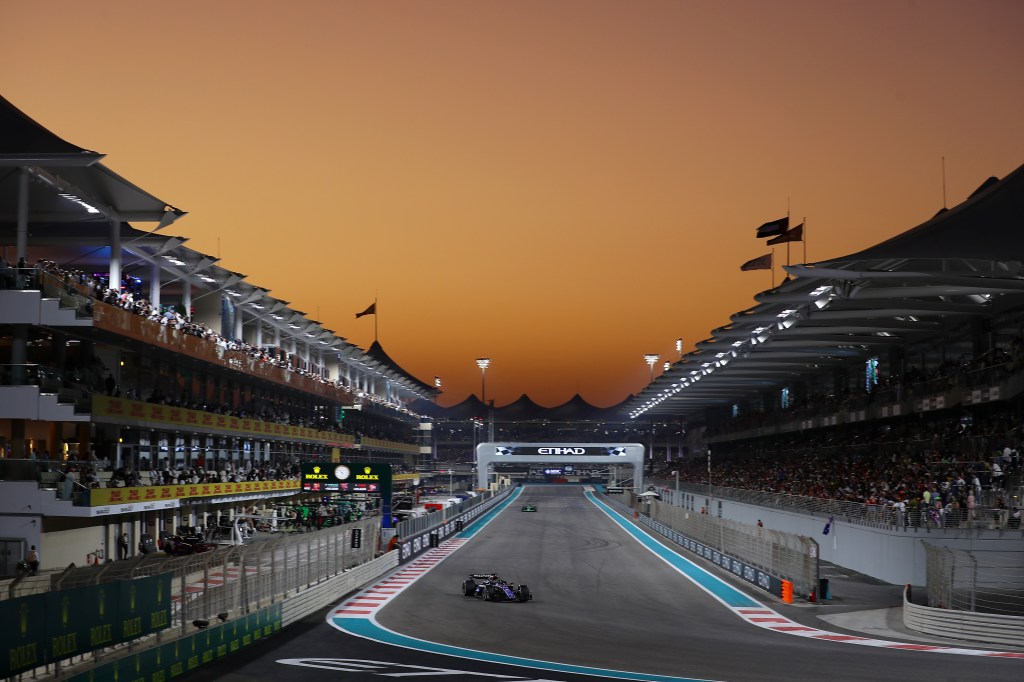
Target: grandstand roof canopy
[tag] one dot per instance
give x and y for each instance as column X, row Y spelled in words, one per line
column 964, row 262
column 73, row 200
column 86, row 190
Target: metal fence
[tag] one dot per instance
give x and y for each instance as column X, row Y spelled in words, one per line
column 784, row 555
column 876, row 515
column 225, row 583
column 420, row 524
column 985, row 582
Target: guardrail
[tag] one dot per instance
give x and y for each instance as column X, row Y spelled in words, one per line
column 989, row 628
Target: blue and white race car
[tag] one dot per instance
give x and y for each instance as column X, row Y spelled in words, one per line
column 489, row 587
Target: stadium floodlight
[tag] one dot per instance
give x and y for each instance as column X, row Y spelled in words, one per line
column 483, row 364
column 651, row 359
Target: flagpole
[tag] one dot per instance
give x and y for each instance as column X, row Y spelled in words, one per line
column 787, row 243
column 376, row 315
column 772, row 268
column 805, row 239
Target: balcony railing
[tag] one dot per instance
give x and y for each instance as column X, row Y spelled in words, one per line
column 113, row 319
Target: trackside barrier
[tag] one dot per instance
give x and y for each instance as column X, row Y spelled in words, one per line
column 772, row 552
column 990, row 628
column 976, row 580
column 755, row 576
column 330, row 591
column 235, row 582
column 201, row 645
column 420, row 524
column 787, row 591
column 214, row 640
column 451, row 522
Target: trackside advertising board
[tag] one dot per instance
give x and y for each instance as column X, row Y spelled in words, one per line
column 199, row 646
column 44, row 628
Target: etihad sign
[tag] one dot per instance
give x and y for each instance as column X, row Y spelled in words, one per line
column 561, row 451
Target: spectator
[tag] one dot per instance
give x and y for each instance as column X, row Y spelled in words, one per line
column 32, row 559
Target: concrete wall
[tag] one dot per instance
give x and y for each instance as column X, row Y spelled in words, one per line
column 895, row 556
column 69, row 540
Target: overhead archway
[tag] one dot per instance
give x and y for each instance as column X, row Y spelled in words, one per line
column 613, row 454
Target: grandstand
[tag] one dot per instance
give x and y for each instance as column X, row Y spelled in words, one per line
column 145, row 389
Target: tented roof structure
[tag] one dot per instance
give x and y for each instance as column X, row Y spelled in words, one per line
column 576, row 409
column 964, row 262
column 70, row 183
column 377, row 353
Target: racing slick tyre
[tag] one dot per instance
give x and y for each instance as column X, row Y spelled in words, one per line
column 523, row 593
column 490, row 593
column 469, row 588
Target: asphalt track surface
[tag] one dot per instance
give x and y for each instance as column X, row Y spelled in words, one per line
column 600, row 600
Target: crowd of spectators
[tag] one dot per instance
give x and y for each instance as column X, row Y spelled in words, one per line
column 129, row 297
column 93, row 375
column 943, row 468
column 78, row 475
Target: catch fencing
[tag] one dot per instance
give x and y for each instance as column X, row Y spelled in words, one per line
column 983, row 582
column 420, row 524
column 786, row 556
column 226, row 583
column 884, row 516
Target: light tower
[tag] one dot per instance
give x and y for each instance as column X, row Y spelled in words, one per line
column 651, row 359
column 483, row 364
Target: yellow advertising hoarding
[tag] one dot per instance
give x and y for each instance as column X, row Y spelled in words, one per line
column 123, row 410
column 104, row 496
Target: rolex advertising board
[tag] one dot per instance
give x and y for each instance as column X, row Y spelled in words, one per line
column 81, row 620
column 330, row 478
column 49, row 627
column 24, row 632
column 185, row 654
column 144, row 606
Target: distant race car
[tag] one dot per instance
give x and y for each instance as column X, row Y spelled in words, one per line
column 178, row 545
column 489, row 587
column 530, row 507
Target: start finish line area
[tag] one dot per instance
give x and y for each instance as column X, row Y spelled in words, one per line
column 613, row 454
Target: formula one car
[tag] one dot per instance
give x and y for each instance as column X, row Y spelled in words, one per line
column 529, row 507
column 489, row 587
column 183, row 545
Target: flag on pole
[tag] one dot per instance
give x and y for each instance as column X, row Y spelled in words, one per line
column 760, row 263
column 372, row 310
column 773, row 227
column 794, row 234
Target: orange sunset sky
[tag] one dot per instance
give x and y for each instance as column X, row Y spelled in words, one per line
column 562, row 186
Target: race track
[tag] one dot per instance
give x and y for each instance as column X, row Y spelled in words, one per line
column 601, row 601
